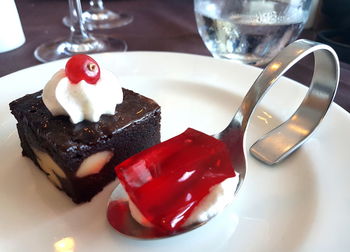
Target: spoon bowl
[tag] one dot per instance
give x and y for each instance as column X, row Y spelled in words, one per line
column 274, row 147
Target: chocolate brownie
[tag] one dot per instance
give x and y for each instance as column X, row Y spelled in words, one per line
column 80, row 158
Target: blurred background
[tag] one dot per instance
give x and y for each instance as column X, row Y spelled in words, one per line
column 168, row 25
column 161, row 25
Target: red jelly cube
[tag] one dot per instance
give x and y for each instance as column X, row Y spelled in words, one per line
column 167, row 181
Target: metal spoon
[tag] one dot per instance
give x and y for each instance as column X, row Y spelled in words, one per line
column 274, row 146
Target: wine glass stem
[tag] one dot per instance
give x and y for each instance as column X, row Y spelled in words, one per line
column 78, row 31
column 96, row 4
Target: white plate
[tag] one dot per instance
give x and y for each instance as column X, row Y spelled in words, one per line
column 302, row 204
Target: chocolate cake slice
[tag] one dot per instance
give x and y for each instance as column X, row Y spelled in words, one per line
column 80, row 158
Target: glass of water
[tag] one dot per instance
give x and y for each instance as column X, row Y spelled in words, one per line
column 250, row 31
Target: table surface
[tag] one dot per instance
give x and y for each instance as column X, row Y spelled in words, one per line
column 159, row 25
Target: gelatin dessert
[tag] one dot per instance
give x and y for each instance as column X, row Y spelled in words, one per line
column 191, row 175
column 82, row 124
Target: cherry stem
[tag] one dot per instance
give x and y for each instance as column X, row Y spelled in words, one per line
column 92, row 67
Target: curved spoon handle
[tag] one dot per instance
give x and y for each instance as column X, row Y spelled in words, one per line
column 286, row 138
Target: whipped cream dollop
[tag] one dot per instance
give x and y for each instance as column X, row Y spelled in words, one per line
column 219, row 197
column 82, row 101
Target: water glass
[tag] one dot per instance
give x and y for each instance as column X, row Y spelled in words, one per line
column 250, row 31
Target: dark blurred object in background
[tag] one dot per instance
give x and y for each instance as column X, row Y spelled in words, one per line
column 337, row 14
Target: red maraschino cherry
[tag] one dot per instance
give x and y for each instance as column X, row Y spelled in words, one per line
column 82, row 67
column 167, row 181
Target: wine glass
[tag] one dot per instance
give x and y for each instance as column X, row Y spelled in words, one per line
column 250, row 31
column 79, row 41
column 98, row 17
